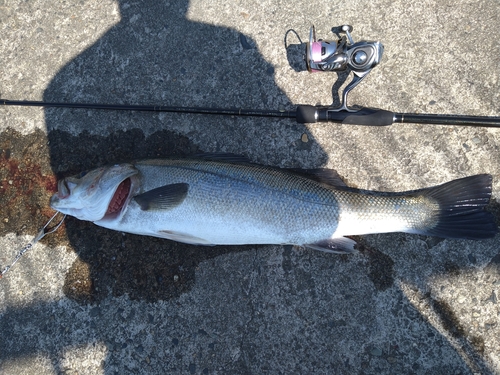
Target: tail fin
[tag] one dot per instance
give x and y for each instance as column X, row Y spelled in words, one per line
column 461, row 208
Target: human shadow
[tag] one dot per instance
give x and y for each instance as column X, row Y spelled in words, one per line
column 150, row 58
column 144, row 268
column 154, row 55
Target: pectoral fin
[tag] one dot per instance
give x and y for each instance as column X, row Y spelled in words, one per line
column 163, row 198
column 341, row 245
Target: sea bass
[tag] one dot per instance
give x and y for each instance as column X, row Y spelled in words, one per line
column 225, row 200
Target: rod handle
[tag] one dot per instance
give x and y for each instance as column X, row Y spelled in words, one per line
column 364, row 116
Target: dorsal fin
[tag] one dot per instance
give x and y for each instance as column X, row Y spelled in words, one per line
column 323, row 175
column 223, row 156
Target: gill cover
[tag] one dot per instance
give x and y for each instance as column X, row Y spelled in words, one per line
column 87, row 196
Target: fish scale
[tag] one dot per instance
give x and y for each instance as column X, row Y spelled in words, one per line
column 374, row 212
column 223, row 200
column 251, row 197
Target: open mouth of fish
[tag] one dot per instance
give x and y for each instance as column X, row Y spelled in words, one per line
column 119, row 198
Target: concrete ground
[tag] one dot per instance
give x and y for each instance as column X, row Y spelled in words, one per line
column 91, row 301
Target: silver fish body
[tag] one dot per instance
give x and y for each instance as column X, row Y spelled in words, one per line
column 215, row 202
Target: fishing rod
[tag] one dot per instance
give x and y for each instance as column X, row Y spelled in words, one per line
column 338, row 55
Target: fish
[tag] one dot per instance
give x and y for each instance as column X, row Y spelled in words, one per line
column 227, row 200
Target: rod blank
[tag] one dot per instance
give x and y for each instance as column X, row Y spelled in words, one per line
column 303, row 113
column 155, row 108
column 461, row 120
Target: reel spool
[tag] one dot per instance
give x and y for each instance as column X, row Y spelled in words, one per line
column 342, row 54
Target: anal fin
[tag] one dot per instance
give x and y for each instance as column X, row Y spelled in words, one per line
column 340, row 245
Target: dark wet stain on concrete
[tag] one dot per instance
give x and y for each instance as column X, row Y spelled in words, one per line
column 494, row 208
column 381, row 266
column 26, row 182
column 473, row 345
column 448, row 318
column 145, row 268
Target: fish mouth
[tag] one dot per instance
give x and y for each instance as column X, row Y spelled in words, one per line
column 119, row 199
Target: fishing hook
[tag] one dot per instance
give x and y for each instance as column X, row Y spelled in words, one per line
column 47, row 228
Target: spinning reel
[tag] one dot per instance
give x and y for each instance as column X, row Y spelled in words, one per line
column 338, row 55
column 343, row 54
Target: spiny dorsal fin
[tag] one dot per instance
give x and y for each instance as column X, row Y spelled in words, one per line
column 322, row 175
column 163, row 198
column 223, row 156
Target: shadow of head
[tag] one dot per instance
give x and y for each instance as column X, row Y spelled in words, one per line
column 154, row 54
column 157, row 54
column 142, row 267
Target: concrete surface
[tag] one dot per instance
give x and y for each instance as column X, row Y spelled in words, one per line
column 91, row 301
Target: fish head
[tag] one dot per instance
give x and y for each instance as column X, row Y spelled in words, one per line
column 98, row 194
